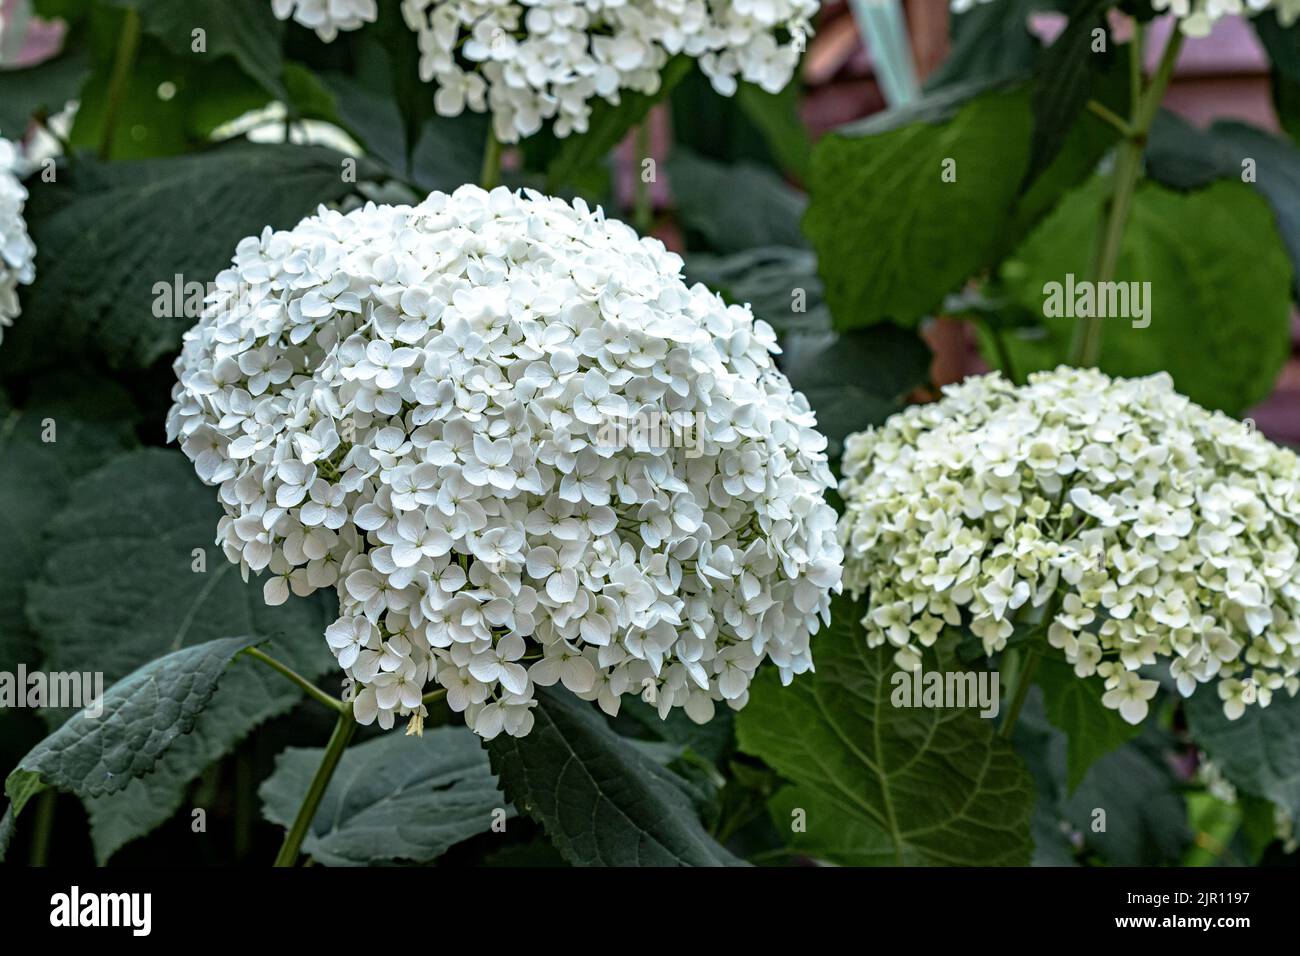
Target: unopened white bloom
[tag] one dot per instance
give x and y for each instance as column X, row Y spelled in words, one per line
column 327, row 17
column 412, row 405
column 17, row 251
column 529, row 61
column 1151, row 530
column 1196, row 18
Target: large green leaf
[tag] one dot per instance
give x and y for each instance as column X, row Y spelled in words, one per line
column 1064, row 78
column 171, row 100
column 89, row 420
column 887, row 784
column 1259, row 752
column 892, row 238
column 1073, row 705
column 736, row 207
column 130, row 225
column 1185, row 157
column 602, row 800
column 1218, row 273
column 142, row 715
column 990, row 41
column 394, row 798
column 774, row 281
column 1143, row 817
column 855, row 379
column 118, row 590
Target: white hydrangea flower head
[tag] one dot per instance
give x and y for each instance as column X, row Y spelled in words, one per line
column 413, row 405
column 17, row 251
column 327, row 17
column 1143, row 528
column 535, row 60
column 1196, row 18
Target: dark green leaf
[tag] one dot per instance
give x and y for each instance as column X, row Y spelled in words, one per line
column 1219, row 276
column 90, row 421
column 736, row 207
column 132, row 225
column 855, row 379
column 118, row 590
column 904, row 785
column 893, row 238
column 774, row 281
column 1259, row 752
column 142, row 715
column 1074, row 706
column 601, row 800
column 1184, row 157
column 1064, row 79
column 990, row 41
column 777, row 116
column 246, row 30
column 394, row 798
column 1142, row 819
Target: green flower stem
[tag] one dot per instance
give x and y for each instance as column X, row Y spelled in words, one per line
column 643, row 207
column 40, row 851
column 1086, row 346
column 491, row 174
column 1023, row 680
column 343, row 731
column 1004, row 354
column 1033, row 654
column 128, row 41
column 312, row 691
column 434, row 695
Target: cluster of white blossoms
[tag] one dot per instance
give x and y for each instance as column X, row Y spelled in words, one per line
column 1196, row 18
column 411, row 404
column 1144, row 527
column 327, row 17
column 535, row 60
column 17, row 251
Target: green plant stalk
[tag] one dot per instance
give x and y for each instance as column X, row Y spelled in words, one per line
column 642, row 208
column 128, row 42
column 1086, row 345
column 312, row 691
column 343, row 731
column 491, row 173
column 1033, row 654
column 1007, row 364
column 40, row 851
column 1023, row 681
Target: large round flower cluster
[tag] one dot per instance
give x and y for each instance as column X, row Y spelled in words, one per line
column 1144, row 526
column 17, row 251
column 523, row 450
column 528, row 61
column 1196, row 18
column 327, row 17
